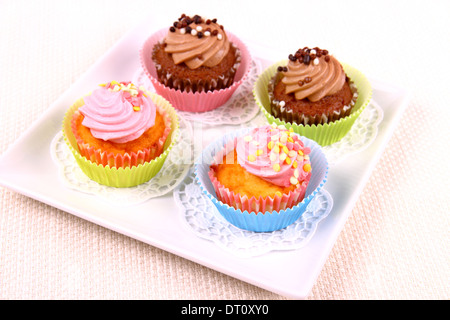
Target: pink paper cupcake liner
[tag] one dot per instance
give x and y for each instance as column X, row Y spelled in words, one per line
column 198, row 101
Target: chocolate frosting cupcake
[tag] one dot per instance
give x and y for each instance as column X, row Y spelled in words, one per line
column 311, row 89
column 196, row 56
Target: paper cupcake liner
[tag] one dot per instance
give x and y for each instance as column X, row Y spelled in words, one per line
column 122, row 177
column 266, row 221
column 244, row 203
column 189, row 101
column 117, row 160
column 324, row 134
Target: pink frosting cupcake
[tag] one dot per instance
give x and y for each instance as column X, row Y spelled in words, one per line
column 120, row 126
column 261, row 179
column 120, row 135
column 267, row 169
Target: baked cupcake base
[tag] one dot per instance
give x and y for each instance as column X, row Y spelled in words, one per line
column 270, row 220
column 202, row 79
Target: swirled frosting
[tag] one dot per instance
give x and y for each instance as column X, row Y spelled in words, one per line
column 118, row 112
column 274, row 154
column 312, row 74
column 197, row 42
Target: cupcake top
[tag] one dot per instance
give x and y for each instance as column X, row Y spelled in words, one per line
column 313, row 74
column 118, row 112
column 197, row 42
column 275, row 154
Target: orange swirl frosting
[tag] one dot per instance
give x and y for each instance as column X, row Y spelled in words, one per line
column 197, row 42
column 312, row 74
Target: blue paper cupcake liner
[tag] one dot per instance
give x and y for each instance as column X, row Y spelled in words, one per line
column 260, row 222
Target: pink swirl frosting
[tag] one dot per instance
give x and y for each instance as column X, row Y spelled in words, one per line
column 118, row 112
column 274, row 154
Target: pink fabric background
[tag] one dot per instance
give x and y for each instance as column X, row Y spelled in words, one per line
column 395, row 244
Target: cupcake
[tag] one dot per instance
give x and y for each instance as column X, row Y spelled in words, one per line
column 311, row 89
column 119, row 134
column 260, row 178
column 313, row 93
column 195, row 63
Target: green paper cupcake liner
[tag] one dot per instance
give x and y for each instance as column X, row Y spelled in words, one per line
column 323, row 134
column 129, row 176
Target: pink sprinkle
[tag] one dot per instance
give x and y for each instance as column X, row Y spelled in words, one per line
column 290, row 145
column 126, row 95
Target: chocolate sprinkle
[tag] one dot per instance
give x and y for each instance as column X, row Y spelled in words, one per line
column 304, row 55
column 184, row 21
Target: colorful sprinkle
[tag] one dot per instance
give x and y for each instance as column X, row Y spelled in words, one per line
column 248, row 138
column 276, row 149
column 273, row 157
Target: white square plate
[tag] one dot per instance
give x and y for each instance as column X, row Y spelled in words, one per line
column 27, row 167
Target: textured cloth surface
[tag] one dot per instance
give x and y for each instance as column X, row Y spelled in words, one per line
column 395, row 243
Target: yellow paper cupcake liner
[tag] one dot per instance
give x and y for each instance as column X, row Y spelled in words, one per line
column 323, row 134
column 122, row 177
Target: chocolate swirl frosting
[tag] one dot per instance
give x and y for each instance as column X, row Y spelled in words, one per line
column 197, row 42
column 312, row 74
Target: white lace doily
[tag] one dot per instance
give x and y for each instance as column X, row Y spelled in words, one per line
column 241, row 108
column 202, row 217
column 173, row 171
column 360, row 136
